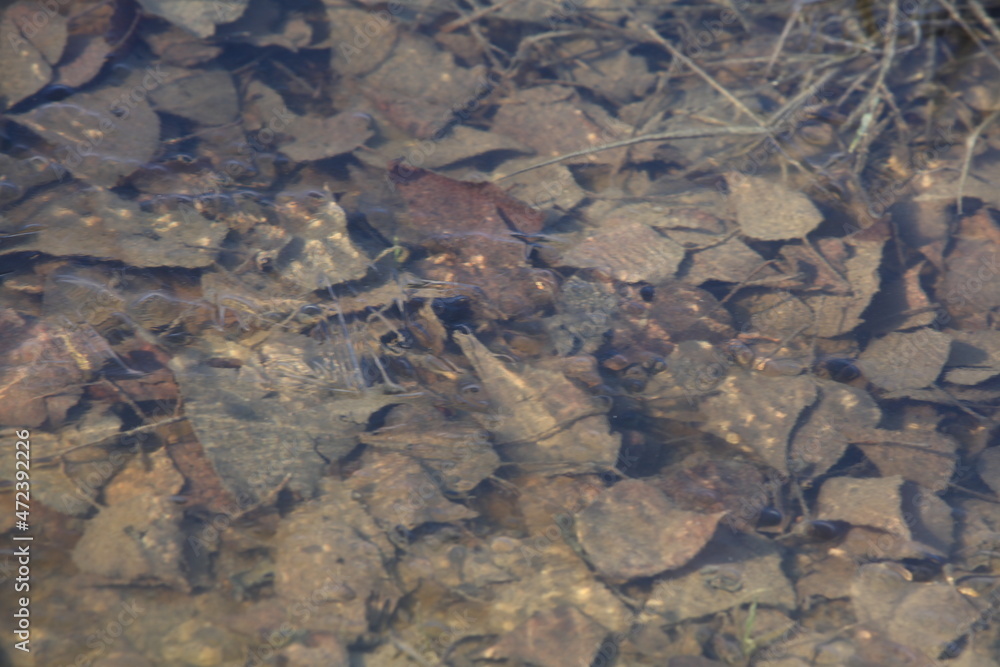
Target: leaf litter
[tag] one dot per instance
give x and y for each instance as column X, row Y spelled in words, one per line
column 640, row 345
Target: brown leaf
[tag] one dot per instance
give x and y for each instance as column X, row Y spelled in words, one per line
column 615, row 531
column 560, row 636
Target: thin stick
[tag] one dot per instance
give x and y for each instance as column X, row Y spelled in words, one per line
column 970, row 146
column 677, row 55
column 693, row 133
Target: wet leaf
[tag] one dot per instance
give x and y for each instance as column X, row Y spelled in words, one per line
column 257, row 438
column 615, row 531
column 353, row 48
column 626, row 250
column 397, row 491
column 702, row 484
column 208, row 97
column 177, row 46
column 70, row 476
column 49, row 39
column 865, row 502
column 318, row 137
column 85, row 64
column 758, row 413
column 545, row 419
column 319, row 251
column 199, row 16
column 903, row 361
column 98, row 136
column 988, row 466
column 768, row 210
column 903, row 303
column 822, row 439
column 924, row 616
column 25, row 68
column 562, row 635
column 734, row 569
column 457, row 451
column 553, row 121
column 974, row 358
column 969, row 286
column 97, row 223
column 329, row 552
column 924, row 456
column 462, row 143
column 419, row 85
column 42, row 368
column 731, row 262
column 857, row 260
column 137, row 539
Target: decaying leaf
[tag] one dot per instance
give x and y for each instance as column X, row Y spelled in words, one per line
column 197, row 16
column 626, row 250
column 73, row 486
column 551, row 421
column 974, row 358
column 258, row 439
column 889, row 518
column 137, row 539
column 768, row 210
column 634, row 530
column 318, row 137
column 208, row 97
column 758, row 413
column 903, row 361
column 25, row 67
column 457, row 451
column 397, row 491
column 925, row 616
column 314, row 249
column 553, row 121
column 822, row 439
column 924, row 456
column 562, row 635
column 332, row 556
column 100, row 137
column 42, row 367
column 419, row 85
column 856, row 261
column 95, row 222
column 732, row 570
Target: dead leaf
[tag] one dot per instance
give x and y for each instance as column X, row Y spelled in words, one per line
column 768, row 210
column 397, row 491
column 615, row 531
column 199, row 16
column 329, row 552
column 207, row 96
column 77, row 220
column 562, row 635
column 544, row 418
column 97, row 136
column 903, row 361
column 734, row 569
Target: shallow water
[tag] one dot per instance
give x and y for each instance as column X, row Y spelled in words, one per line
column 416, row 334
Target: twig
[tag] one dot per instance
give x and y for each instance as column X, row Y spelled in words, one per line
column 796, row 10
column 888, row 55
column 677, row 55
column 693, row 133
column 968, row 29
column 970, row 146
